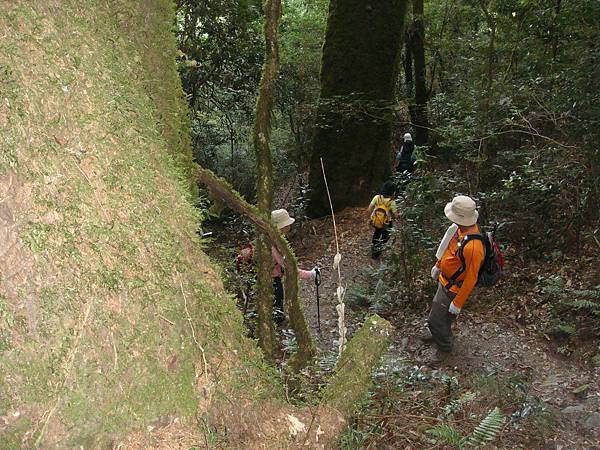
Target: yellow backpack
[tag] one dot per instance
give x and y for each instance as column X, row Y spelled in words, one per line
column 381, row 215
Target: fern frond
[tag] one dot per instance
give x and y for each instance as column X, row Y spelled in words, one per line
column 589, row 293
column 487, row 430
column 583, row 304
column 446, row 434
column 565, row 329
column 455, row 405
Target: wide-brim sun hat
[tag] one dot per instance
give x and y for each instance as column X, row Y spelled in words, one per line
column 462, row 211
column 281, row 218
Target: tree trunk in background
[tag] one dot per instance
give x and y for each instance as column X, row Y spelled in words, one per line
column 488, row 11
column 408, row 66
column 358, row 74
column 264, row 183
column 417, row 45
column 554, row 32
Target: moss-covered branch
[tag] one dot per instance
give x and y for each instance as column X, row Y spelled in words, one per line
column 220, row 189
column 348, row 386
column 353, row 370
column 264, row 170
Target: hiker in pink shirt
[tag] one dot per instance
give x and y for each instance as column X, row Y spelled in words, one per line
column 281, row 218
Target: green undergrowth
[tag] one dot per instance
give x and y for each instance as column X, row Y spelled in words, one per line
column 417, row 406
column 95, row 334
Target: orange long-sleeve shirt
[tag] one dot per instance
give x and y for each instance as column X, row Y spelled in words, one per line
column 473, row 254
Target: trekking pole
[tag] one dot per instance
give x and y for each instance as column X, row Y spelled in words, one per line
column 317, row 283
column 246, row 298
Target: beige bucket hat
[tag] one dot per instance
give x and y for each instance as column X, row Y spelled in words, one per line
column 462, row 211
column 281, row 218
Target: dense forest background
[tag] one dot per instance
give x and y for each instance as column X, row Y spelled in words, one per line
column 511, row 106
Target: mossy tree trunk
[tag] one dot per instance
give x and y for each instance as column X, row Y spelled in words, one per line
column 488, row 10
column 264, row 194
column 264, row 183
column 358, row 75
column 408, row 67
column 417, row 47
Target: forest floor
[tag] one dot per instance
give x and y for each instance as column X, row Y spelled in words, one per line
column 419, row 400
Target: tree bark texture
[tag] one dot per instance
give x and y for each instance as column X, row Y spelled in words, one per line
column 358, row 74
column 264, row 183
column 221, row 190
column 417, row 46
column 408, row 66
column 487, row 9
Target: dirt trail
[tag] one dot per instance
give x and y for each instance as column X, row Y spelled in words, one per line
column 315, row 245
column 486, row 344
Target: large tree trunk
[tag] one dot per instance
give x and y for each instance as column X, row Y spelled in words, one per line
column 408, row 67
column 113, row 319
column 417, row 45
column 358, row 76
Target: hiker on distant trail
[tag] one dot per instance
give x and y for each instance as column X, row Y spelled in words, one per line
column 283, row 221
column 405, row 163
column 456, row 276
column 405, row 158
column 381, row 212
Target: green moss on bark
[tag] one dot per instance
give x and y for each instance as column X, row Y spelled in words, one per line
column 353, row 371
column 358, row 75
column 98, row 285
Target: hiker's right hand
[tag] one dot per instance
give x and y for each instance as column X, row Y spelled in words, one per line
column 435, row 273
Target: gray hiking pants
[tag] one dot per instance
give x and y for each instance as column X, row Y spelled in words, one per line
column 440, row 319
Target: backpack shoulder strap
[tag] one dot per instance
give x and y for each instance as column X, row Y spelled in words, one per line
column 461, row 245
column 382, row 201
column 465, row 240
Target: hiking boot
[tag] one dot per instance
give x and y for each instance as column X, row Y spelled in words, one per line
column 426, row 335
column 375, row 254
column 278, row 316
column 439, row 359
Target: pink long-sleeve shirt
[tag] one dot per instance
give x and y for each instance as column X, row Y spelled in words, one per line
column 278, row 266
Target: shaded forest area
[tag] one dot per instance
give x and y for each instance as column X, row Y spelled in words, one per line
column 501, row 99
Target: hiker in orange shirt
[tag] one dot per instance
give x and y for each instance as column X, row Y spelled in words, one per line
column 456, row 276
